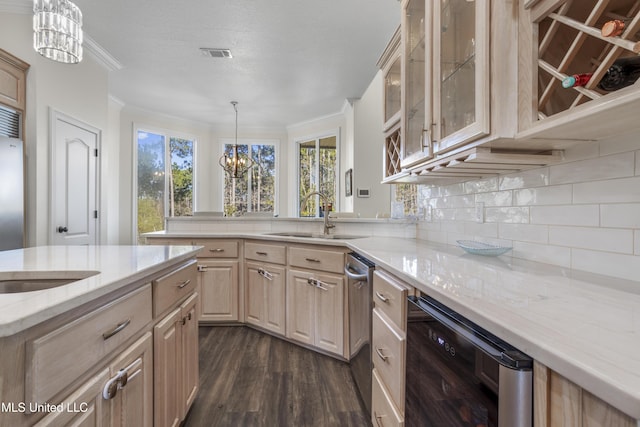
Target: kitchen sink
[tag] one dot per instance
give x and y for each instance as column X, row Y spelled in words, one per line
column 315, row 235
column 30, row 281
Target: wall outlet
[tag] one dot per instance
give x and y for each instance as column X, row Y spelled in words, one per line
column 480, row 212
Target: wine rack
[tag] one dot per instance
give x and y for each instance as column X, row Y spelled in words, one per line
column 570, row 41
column 393, row 155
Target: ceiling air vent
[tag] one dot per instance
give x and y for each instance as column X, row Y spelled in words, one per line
column 216, row 53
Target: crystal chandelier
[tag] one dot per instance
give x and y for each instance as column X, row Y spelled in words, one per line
column 233, row 164
column 57, row 30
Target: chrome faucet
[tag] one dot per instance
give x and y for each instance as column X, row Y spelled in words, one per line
column 325, row 203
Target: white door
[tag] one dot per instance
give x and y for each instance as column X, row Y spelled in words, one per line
column 74, row 164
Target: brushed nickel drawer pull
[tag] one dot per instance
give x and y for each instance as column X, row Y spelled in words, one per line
column 312, row 259
column 261, row 253
column 183, row 284
column 380, row 355
column 115, row 330
column 216, row 250
column 381, row 297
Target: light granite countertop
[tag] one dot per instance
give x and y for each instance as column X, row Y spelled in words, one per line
column 116, row 266
column 582, row 325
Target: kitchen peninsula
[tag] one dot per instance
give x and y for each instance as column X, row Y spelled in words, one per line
column 113, row 330
column 580, row 328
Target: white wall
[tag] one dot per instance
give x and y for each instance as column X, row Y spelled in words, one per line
column 79, row 91
column 369, row 151
column 583, row 213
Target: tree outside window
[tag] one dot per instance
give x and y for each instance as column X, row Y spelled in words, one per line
column 317, row 171
column 165, row 179
column 255, row 191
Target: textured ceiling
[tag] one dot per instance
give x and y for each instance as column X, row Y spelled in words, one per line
column 293, row 60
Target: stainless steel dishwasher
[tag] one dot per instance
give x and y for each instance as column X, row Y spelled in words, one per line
column 359, row 272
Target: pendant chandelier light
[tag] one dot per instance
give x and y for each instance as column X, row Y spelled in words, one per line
column 57, row 30
column 233, row 164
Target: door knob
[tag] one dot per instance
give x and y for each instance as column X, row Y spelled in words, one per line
column 62, row 229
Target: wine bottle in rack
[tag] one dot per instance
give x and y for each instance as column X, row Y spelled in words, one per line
column 576, row 80
column 613, row 28
column 622, row 73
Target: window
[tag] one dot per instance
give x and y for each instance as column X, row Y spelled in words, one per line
column 317, row 171
column 159, row 157
column 256, row 190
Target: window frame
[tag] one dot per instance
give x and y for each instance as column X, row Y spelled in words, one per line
column 249, row 141
column 295, row 158
column 168, row 134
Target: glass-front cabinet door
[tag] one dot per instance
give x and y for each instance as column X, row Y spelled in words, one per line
column 415, row 50
column 460, row 37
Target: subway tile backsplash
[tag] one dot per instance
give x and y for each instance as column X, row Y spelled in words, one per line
column 583, row 213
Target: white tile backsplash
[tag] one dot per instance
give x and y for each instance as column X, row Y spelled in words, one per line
column 587, row 215
column 552, row 195
column 583, row 213
column 621, row 190
column 600, row 239
column 622, row 215
column 608, row 167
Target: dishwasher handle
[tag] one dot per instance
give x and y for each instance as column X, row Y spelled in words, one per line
column 353, row 274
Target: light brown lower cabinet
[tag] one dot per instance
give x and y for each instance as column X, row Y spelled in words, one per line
column 559, row 402
column 219, row 288
column 175, row 363
column 132, row 405
column 265, row 296
column 383, row 413
column 83, row 408
column 315, row 310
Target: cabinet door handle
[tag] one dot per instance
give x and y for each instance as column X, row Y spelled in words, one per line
column 319, row 285
column 183, row 284
column 115, row 330
column 262, row 253
column 312, row 259
column 381, row 297
column 312, row 282
column 217, row 250
column 380, row 355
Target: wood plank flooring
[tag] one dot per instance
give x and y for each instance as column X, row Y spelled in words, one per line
column 248, row 378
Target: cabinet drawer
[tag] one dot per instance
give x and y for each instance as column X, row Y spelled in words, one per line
column 316, row 259
column 390, row 297
column 388, row 355
column 216, row 248
column 275, row 254
column 58, row 358
column 383, row 412
column 171, row 288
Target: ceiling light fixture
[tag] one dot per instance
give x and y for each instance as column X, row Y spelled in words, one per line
column 233, row 163
column 57, row 30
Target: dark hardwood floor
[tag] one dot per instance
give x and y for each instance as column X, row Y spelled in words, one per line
column 248, row 378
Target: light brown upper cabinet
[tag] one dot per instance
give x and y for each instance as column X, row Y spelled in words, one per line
column 459, row 93
column 560, row 38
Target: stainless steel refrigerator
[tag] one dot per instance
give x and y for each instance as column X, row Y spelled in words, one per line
column 11, row 194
